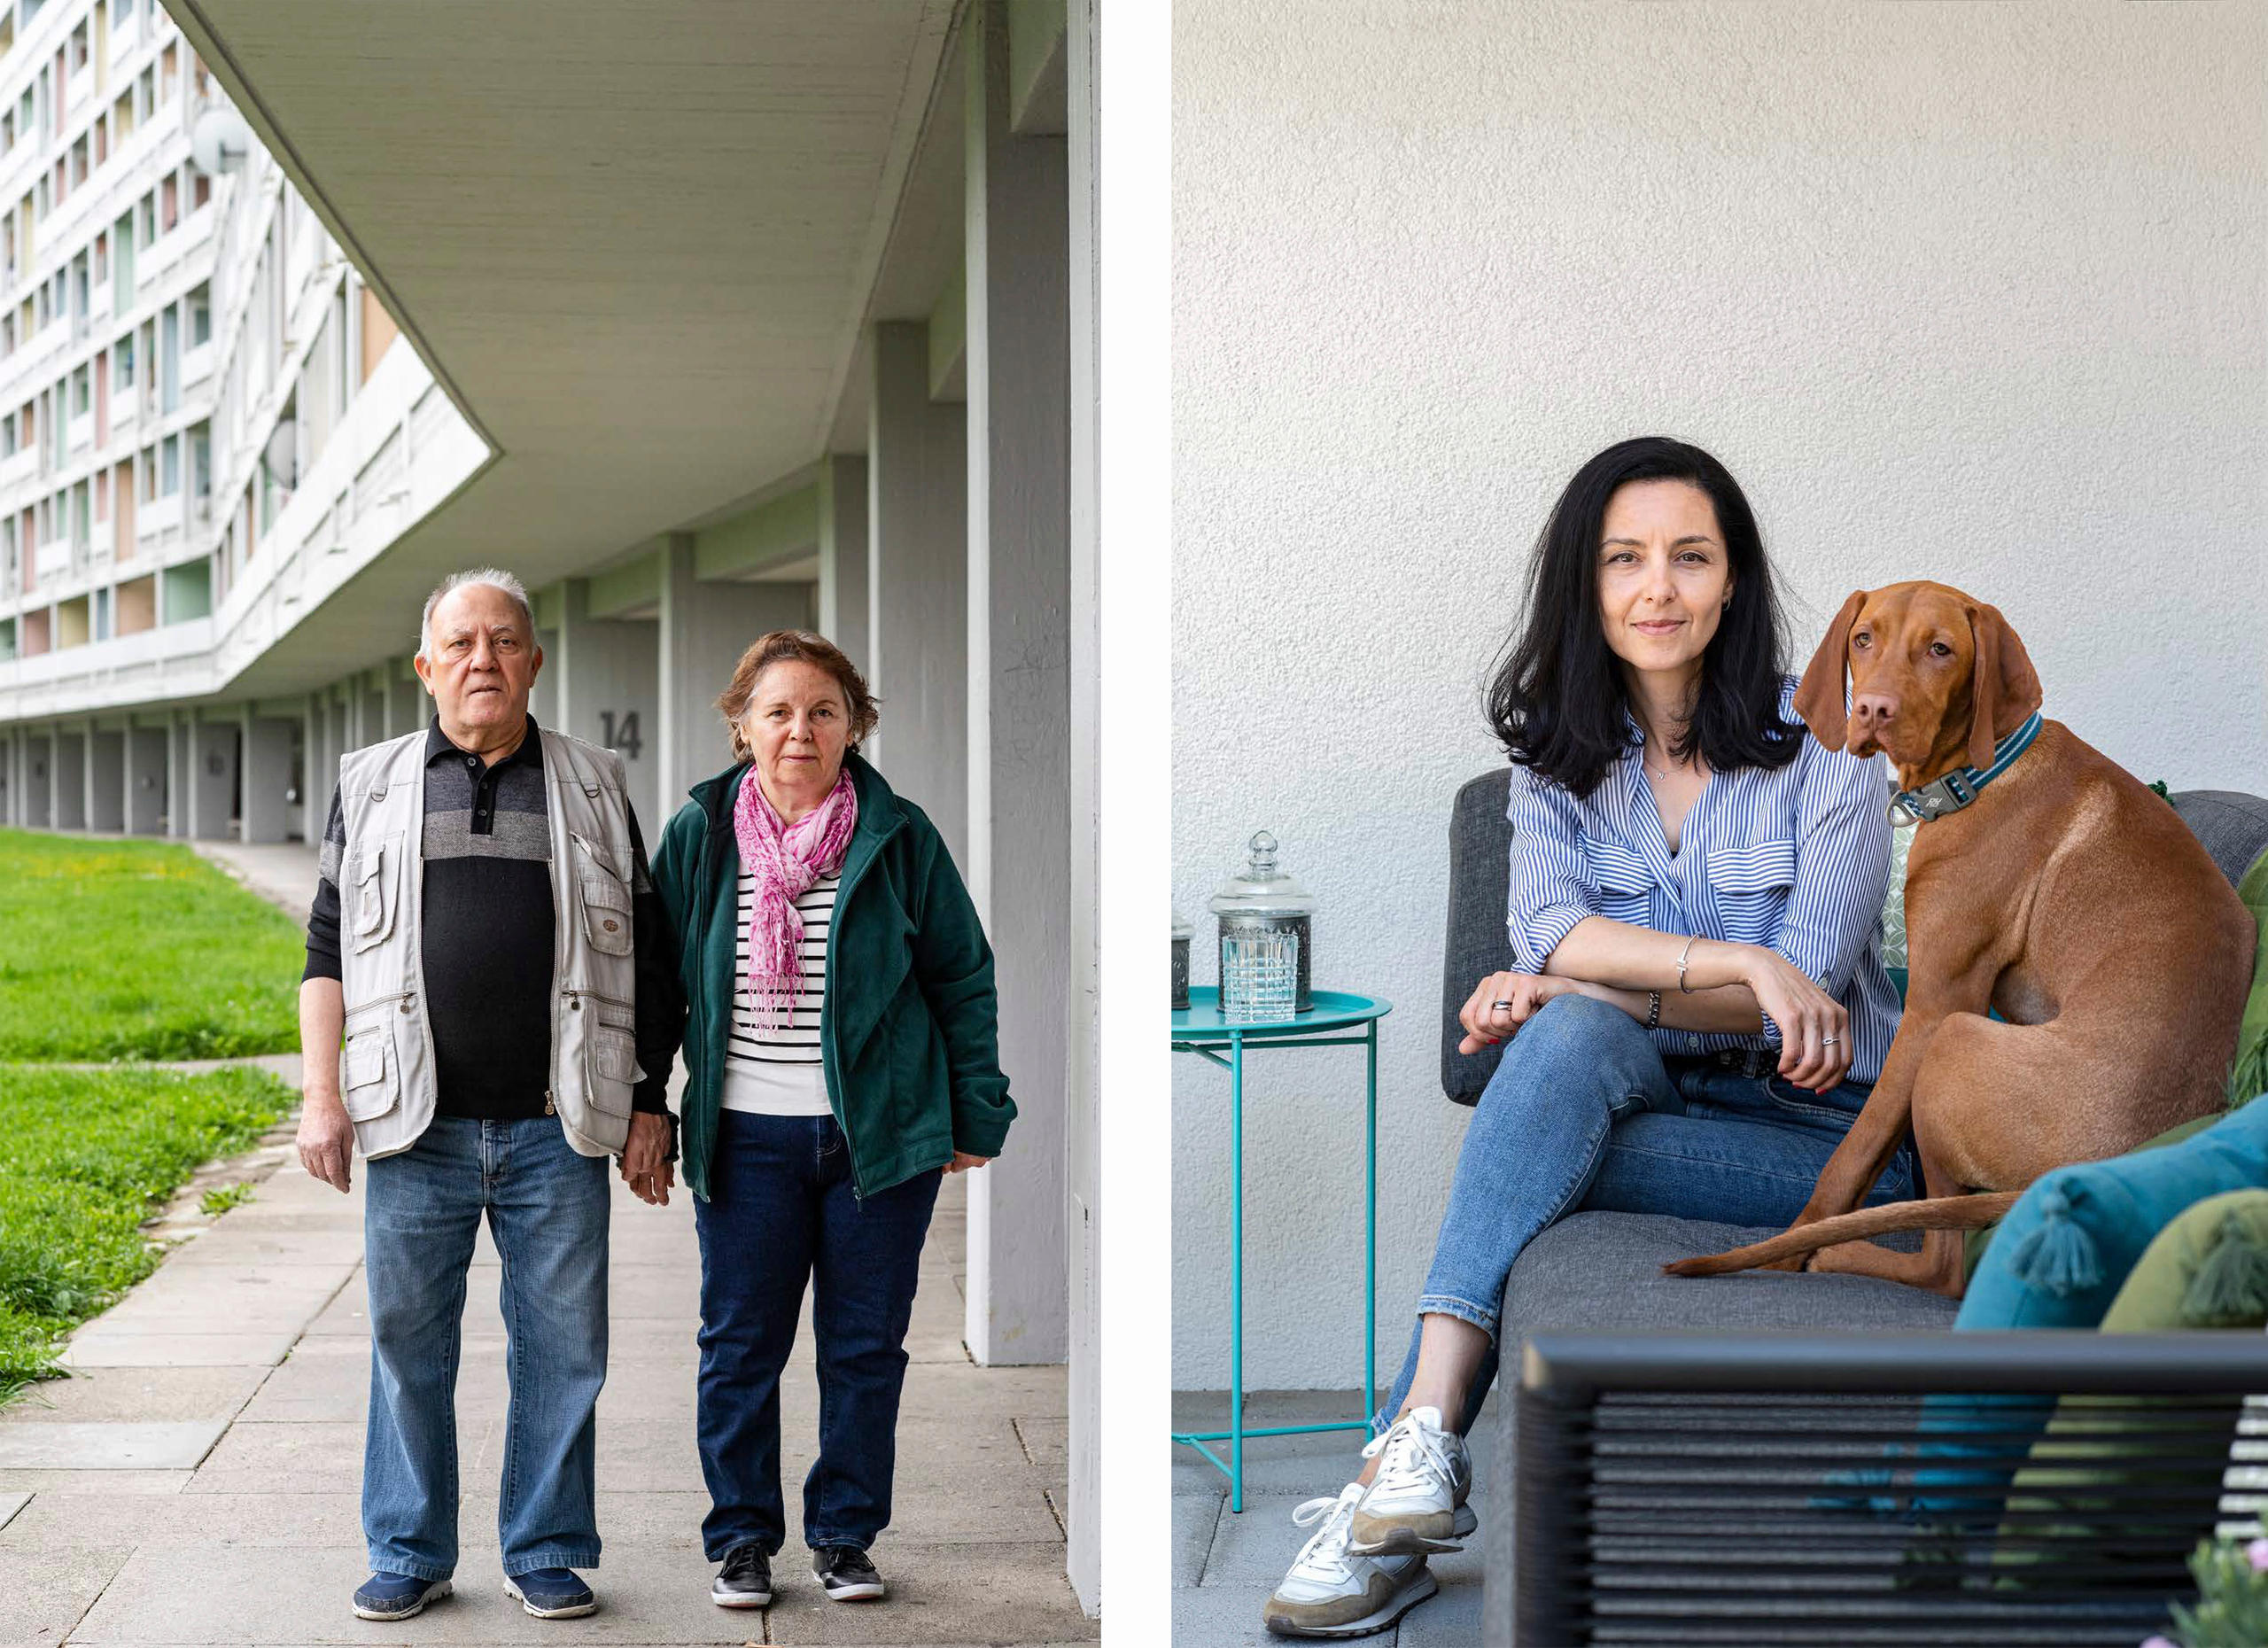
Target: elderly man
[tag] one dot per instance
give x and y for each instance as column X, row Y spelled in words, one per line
column 486, row 1013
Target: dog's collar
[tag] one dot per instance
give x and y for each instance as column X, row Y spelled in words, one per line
column 1956, row 790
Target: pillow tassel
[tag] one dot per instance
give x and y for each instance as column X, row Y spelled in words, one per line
column 2232, row 1284
column 2058, row 1256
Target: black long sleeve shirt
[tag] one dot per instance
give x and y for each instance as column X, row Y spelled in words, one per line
column 488, row 927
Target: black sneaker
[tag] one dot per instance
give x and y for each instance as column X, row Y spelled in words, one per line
column 745, row 1581
column 846, row 1573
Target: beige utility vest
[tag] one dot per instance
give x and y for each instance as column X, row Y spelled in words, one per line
column 386, row 1068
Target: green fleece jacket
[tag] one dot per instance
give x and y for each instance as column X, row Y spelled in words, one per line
column 909, row 1024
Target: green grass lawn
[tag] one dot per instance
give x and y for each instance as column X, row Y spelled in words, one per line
column 138, row 950
column 85, row 1156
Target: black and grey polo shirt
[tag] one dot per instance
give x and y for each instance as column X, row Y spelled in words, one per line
column 487, row 928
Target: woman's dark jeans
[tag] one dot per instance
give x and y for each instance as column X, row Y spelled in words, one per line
column 780, row 1210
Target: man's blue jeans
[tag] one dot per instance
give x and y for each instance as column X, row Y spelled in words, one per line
column 547, row 1209
column 1584, row 1112
column 780, row 1210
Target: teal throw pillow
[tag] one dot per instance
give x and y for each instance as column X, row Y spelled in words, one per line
column 2065, row 1249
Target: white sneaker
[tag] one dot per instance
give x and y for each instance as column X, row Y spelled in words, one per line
column 1416, row 1503
column 1331, row 1592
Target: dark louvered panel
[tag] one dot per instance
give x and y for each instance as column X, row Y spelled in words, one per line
column 1912, row 1489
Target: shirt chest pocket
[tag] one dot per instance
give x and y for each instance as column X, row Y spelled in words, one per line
column 1621, row 879
column 1750, row 885
column 370, row 894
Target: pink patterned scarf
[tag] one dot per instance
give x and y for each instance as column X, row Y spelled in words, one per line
column 785, row 859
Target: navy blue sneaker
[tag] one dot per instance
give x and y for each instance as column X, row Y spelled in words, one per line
column 551, row 1594
column 396, row 1596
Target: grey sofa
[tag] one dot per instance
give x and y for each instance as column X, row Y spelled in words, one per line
column 1601, row 1272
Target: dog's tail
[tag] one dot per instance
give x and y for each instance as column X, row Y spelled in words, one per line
column 1939, row 1213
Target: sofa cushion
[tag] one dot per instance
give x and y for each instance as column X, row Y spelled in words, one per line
column 2233, row 826
column 1604, row 1271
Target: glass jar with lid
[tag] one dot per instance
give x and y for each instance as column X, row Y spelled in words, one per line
column 1263, row 899
column 1182, row 932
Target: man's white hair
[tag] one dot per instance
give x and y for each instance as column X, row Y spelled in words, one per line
column 495, row 578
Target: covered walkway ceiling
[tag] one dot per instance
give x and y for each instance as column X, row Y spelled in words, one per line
column 635, row 241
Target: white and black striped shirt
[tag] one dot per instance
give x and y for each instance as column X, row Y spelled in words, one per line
column 1795, row 859
column 777, row 1071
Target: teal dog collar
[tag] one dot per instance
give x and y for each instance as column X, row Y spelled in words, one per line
column 1956, row 790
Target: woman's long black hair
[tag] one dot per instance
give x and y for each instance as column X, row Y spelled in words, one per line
column 1557, row 699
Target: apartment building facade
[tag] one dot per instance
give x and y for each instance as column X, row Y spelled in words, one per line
column 197, row 386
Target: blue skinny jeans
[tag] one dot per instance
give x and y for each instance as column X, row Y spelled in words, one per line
column 1584, row 1113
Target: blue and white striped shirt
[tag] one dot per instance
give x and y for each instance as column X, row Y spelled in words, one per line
column 1795, row 859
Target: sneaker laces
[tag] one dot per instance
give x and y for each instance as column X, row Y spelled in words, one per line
column 1326, row 1547
column 1415, row 1457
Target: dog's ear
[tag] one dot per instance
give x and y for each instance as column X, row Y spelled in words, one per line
column 2004, row 690
column 1819, row 696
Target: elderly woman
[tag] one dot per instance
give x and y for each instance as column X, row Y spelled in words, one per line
column 1695, row 1002
column 840, row 1056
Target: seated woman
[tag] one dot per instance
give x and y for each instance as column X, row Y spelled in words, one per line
column 1695, row 1004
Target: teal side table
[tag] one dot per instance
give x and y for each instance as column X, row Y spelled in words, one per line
column 1337, row 1020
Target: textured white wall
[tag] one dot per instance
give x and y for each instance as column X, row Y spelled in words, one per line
column 1974, row 292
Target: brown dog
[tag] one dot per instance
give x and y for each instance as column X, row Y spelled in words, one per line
column 2065, row 895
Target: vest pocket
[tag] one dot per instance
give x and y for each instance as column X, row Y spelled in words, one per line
column 368, row 898
column 606, row 913
column 366, row 1076
column 611, row 1055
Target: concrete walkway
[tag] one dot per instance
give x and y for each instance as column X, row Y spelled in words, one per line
column 197, row 1480
column 1225, row 1563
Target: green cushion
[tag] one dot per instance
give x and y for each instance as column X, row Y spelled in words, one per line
column 2208, row 1268
column 2250, row 1078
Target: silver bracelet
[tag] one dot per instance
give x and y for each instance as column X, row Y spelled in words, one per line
column 1683, row 989
column 1653, row 1009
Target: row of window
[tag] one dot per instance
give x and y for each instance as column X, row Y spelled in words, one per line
column 109, row 497
column 69, row 291
column 113, row 371
column 46, row 101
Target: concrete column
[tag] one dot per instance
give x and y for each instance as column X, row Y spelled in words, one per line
column 844, row 556
column 322, row 773
column 70, row 779
column 9, row 788
column 264, row 746
column 1019, row 693
column 212, row 764
column 105, row 780
column 376, row 707
column 609, row 694
column 1082, row 1074
column 39, row 779
column 180, row 772
column 407, row 706
column 704, row 629
column 146, row 750
column 86, row 802
column 917, row 631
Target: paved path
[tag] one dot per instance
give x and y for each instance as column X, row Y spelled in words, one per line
column 1224, row 1563
column 196, row 1481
